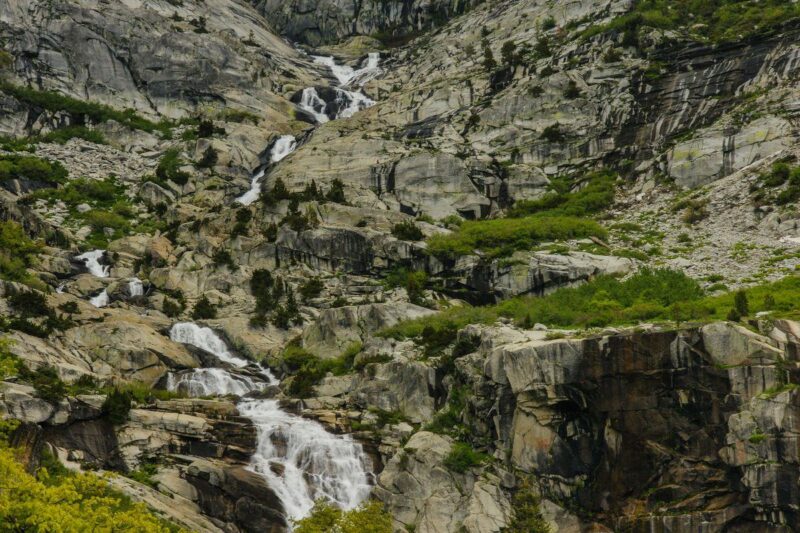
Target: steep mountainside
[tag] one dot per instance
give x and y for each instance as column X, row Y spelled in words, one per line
column 436, row 266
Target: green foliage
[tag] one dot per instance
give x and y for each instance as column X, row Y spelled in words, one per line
column 407, row 231
column 116, row 406
column 209, row 158
column 336, row 192
column 489, row 62
column 508, row 53
column 82, row 110
column 312, row 288
column 223, row 257
column 370, row 517
column 62, row 135
column 97, row 193
column 578, row 198
column 243, row 217
column 740, row 303
column 144, row 474
column 527, row 514
column 17, row 253
column 45, row 380
column 169, row 167
column 307, row 369
column 648, row 294
column 13, row 166
column 413, row 281
column 9, row 363
column 501, row 237
column 705, row 20
column 204, row 309
column 462, row 457
column 57, row 500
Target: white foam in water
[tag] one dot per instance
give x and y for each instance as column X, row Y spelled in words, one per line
column 135, row 287
column 92, row 261
column 101, row 300
column 255, row 189
column 315, row 463
column 213, row 382
column 206, row 339
column 61, row 287
column 350, row 102
column 314, row 105
column 284, row 146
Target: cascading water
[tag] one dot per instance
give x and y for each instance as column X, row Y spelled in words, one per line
column 347, row 102
column 213, row 381
column 205, row 339
column 135, row 287
column 92, row 261
column 314, row 463
column 284, row 146
column 101, row 300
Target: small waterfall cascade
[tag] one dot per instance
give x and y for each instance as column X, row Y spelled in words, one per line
column 135, row 287
column 349, row 99
column 101, row 300
column 314, row 463
column 283, row 146
column 92, row 261
column 205, row 339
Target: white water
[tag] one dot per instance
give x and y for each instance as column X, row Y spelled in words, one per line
column 101, row 300
column 206, row 339
column 213, row 381
column 61, row 287
column 346, row 74
column 135, row 287
column 315, row 463
column 284, row 146
column 350, row 101
column 314, row 105
column 92, row 261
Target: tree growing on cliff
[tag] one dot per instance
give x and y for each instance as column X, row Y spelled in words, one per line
column 741, row 304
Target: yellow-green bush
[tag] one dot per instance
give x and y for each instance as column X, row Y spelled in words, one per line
column 325, row 518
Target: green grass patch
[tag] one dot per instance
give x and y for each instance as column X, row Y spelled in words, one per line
column 576, row 198
column 462, row 458
column 501, row 237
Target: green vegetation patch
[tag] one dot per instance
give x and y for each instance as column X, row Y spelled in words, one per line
column 706, row 20
column 29, row 167
column 369, row 517
column 501, row 237
column 583, row 197
column 17, row 253
column 83, row 110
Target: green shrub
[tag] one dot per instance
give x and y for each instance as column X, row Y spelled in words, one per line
column 17, row 253
column 369, row 517
column 204, row 309
column 741, row 304
column 223, row 257
column 553, row 133
column 572, row 197
column 116, row 406
column 62, row 135
column 169, row 167
column 527, row 514
column 46, row 381
column 312, row 288
column 413, row 281
column 32, row 168
column 82, row 109
column 501, row 237
column 407, row 231
column 462, row 458
column 336, row 192
column 9, row 363
column 209, row 158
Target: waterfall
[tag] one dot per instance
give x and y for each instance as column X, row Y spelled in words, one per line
column 314, row 464
column 213, row 381
column 283, row 146
column 205, row 339
column 92, row 261
column 61, row 287
column 348, row 102
column 255, row 189
column 314, row 105
column 135, row 287
column 101, row 300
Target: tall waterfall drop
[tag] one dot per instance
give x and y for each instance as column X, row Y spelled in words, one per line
column 92, row 261
column 284, row 146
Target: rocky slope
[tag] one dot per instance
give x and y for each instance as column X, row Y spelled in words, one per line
column 355, row 165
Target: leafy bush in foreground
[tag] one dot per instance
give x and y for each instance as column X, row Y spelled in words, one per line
column 370, row 517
